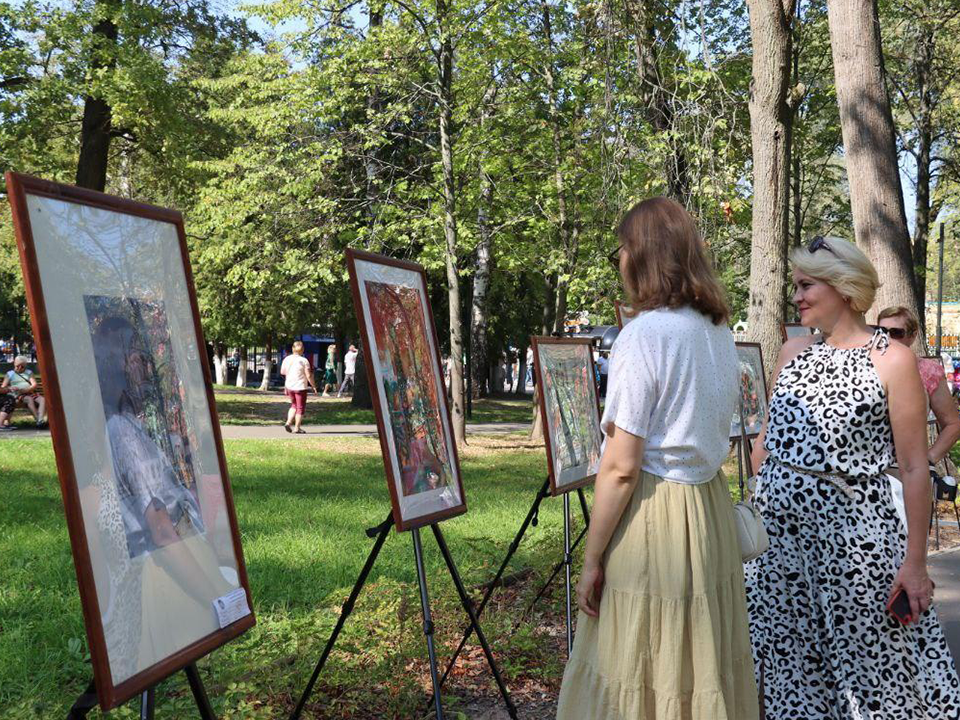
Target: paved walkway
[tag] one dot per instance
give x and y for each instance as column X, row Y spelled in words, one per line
column 945, row 572
column 276, row 431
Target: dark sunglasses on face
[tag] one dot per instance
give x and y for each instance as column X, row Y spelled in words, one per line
column 894, row 332
column 818, row 243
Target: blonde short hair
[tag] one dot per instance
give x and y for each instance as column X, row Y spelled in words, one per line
column 844, row 266
column 298, row 347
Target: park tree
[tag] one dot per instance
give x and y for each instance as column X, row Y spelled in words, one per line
column 922, row 63
column 772, row 102
column 869, row 145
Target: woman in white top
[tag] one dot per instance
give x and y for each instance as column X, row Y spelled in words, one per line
column 298, row 376
column 662, row 633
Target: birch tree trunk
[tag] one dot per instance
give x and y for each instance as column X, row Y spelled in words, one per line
column 481, row 276
column 458, row 416
column 770, row 134
column 219, row 364
column 876, row 196
column 267, row 365
column 242, row 368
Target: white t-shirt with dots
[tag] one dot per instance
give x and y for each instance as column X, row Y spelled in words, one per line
column 673, row 382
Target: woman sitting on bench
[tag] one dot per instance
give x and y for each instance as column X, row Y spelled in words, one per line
column 21, row 384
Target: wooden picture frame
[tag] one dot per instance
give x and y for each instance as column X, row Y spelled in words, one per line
column 55, row 318
column 750, row 360
column 583, row 473
column 792, row 330
column 371, row 277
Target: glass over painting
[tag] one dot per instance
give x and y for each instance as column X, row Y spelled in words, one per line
column 143, row 448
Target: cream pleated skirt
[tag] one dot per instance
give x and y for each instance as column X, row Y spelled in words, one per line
column 672, row 640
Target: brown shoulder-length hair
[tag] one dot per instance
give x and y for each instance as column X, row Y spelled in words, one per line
column 666, row 261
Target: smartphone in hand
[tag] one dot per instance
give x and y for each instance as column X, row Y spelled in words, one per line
column 899, row 607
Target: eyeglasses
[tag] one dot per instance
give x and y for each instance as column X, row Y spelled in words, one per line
column 614, row 257
column 894, row 332
column 819, row 243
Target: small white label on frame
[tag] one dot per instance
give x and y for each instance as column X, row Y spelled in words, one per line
column 231, row 607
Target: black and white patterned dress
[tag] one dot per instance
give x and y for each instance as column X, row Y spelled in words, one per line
column 821, row 635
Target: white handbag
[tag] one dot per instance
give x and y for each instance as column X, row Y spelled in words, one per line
column 750, row 529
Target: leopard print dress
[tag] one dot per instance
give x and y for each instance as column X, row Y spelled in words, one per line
column 823, row 644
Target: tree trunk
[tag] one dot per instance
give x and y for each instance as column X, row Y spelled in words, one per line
column 371, row 166
column 659, row 109
column 96, row 126
column 549, row 305
column 924, row 217
column 458, row 416
column 876, row 196
column 267, row 364
column 361, row 397
column 484, row 264
column 242, row 368
column 219, row 364
column 561, row 282
column 770, row 129
column 521, row 370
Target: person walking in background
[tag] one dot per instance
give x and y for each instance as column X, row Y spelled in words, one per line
column 662, row 630
column 844, row 405
column 298, row 376
column 349, row 370
column 603, row 366
column 330, row 371
column 23, row 386
column 528, row 380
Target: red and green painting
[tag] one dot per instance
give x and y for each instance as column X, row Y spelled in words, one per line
column 410, row 387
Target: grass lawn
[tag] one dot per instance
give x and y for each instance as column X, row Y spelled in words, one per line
column 253, row 407
column 303, row 507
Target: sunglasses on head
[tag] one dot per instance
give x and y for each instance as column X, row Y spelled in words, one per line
column 818, row 243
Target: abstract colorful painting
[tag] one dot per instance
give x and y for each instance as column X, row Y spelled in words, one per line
column 570, row 407
column 403, row 363
column 412, row 393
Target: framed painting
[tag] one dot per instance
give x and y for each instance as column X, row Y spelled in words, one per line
column 145, row 488
column 753, row 391
column 624, row 313
column 409, row 395
column 570, row 407
column 792, row 330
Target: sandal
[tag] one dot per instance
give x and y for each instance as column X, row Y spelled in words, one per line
column 287, row 428
column 301, row 432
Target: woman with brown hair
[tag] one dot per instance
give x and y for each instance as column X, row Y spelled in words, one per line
column 662, row 633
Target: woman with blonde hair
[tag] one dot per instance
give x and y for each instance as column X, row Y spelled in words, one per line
column 662, row 631
column 844, row 405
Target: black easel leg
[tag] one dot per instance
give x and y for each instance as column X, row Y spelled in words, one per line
column 427, row 621
column 531, row 518
column 553, row 576
column 568, row 562
column 380, row 531
column 147, row 704
column 474, row 621
column 583, row 507
column 199, row 692
column 84, row 704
